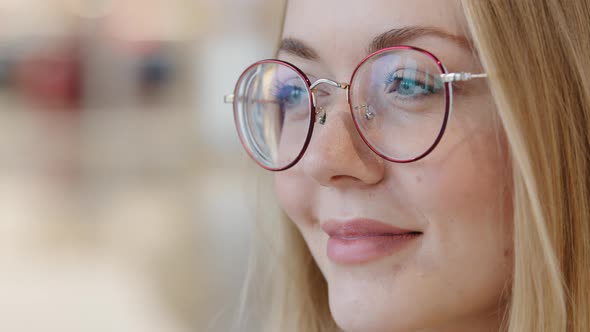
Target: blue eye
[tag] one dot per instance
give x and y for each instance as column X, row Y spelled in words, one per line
column 411, row 83
column 406, row 86
column 289, row 95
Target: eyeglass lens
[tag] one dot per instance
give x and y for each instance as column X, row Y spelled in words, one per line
column 273, row 114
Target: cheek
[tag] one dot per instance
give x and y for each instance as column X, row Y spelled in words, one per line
column 294, row 195
column 468, row 174
column 464, row 198
column 473, row 180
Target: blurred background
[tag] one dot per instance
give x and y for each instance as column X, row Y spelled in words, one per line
column 125, row 198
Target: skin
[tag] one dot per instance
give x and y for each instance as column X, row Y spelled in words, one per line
column 452, row 278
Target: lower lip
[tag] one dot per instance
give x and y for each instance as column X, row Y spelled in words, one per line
column 362, row 249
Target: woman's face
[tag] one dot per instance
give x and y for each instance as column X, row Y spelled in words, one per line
column 450, row 275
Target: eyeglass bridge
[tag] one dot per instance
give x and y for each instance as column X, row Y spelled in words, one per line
column 320, row 111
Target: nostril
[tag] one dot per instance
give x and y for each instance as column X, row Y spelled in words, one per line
column 340, row 180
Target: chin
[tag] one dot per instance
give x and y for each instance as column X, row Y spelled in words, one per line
column 363, row 317
column 402, row 304
column 368, row 307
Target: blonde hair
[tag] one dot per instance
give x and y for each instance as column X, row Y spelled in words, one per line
column 536, row 54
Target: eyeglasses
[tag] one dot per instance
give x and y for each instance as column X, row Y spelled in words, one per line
column 400, row 99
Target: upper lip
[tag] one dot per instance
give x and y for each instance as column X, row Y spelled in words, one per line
column 361, row 227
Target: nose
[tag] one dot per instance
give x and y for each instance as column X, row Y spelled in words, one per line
column 337, row 155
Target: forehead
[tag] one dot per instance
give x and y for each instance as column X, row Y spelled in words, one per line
column 340, row 30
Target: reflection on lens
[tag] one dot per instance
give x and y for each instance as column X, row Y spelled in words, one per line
column 399, row 103
column 272, row 112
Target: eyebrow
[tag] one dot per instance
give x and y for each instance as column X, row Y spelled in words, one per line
column 389, row 38
column 298, row 48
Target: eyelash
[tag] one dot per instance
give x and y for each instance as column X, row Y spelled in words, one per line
column 391, row 77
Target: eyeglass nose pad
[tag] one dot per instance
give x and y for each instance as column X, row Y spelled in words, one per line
column 320, row 112
column 369, row 113
column 321, row 115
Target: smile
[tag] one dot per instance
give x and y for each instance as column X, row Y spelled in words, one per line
column 363, row 240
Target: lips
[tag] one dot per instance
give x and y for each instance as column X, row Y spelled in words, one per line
column 362, row 240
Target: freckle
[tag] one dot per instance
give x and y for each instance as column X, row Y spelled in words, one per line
column 506, row 252
column 418, row 179
column 396, row 269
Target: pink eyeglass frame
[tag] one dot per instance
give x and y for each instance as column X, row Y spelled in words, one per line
column 447, row 78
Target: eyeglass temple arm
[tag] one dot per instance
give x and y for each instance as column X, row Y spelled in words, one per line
column 453, row 77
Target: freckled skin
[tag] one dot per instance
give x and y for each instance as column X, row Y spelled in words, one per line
column 452, row 278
